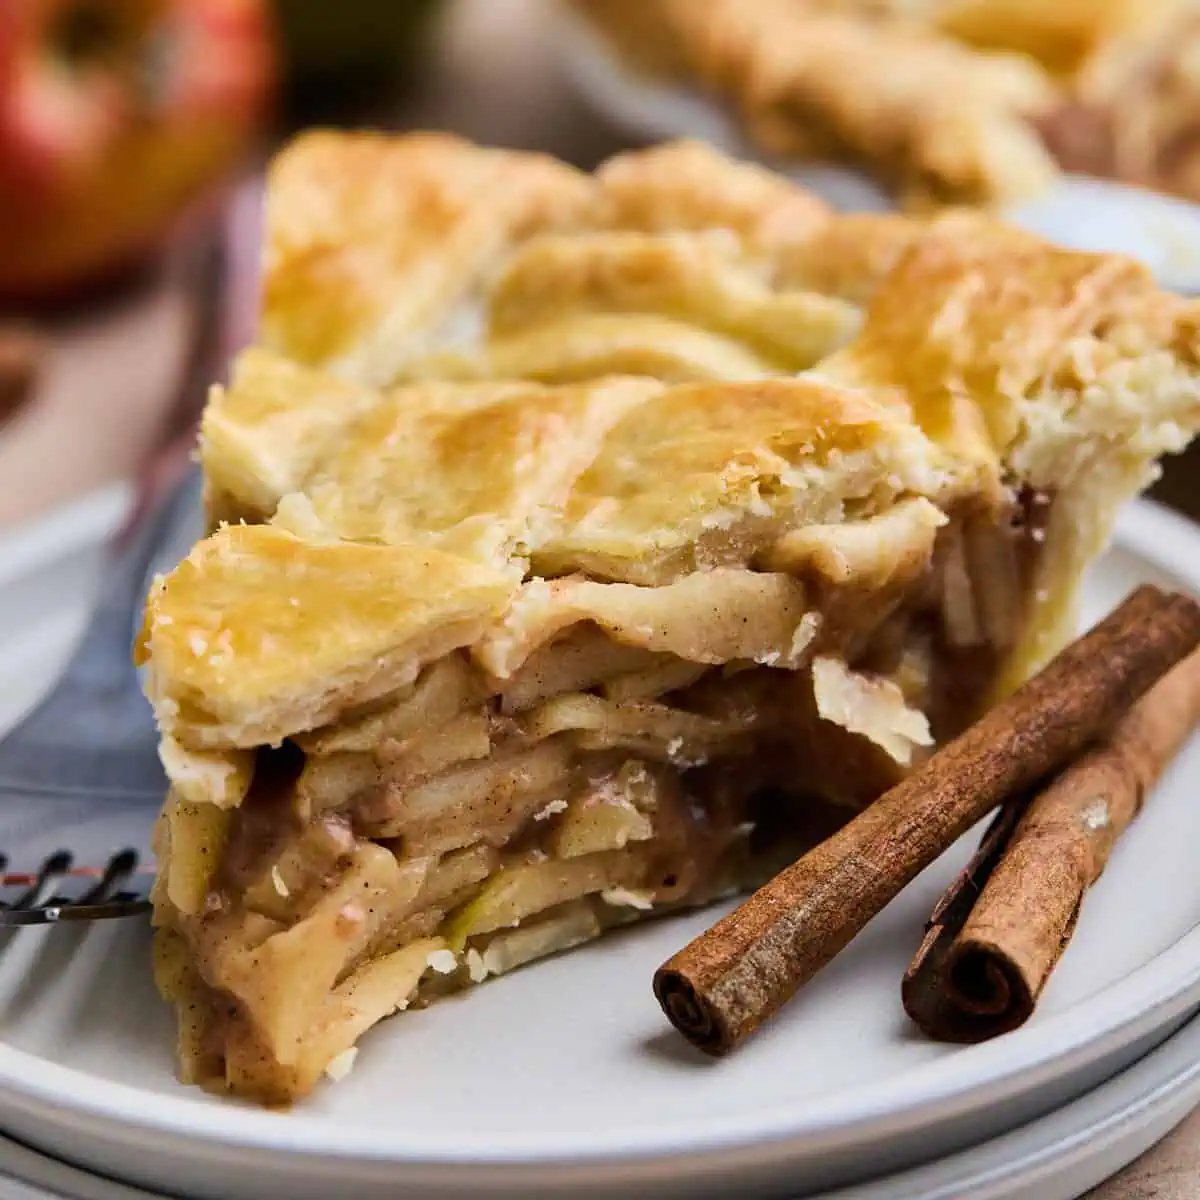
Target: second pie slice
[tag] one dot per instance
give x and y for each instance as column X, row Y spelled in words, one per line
column 582, row 573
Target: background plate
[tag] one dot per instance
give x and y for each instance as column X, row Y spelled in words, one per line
column 565, row 1075
column 1080, row 212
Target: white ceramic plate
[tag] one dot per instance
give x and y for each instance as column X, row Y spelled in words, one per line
column 565, row 1075
column 1062, row 1155
column 1080, row 212
column 1056, row 1157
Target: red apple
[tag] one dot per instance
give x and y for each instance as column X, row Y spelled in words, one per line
column 114, row 116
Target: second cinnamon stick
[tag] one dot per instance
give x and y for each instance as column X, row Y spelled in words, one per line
column 1001, row 928
column 722, row 986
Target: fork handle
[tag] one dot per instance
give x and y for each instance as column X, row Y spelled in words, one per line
column 94, row 730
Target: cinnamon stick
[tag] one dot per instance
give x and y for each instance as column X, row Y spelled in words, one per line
column 721, row 987
column 999, row 931
column 21, row 351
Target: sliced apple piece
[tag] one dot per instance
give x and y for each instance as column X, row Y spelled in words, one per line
column 519, row 892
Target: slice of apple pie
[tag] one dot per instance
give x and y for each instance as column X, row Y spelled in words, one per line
column 577, row 541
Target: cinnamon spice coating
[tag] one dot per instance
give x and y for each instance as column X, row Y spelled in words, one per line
column 727, row 982
column 981, row 974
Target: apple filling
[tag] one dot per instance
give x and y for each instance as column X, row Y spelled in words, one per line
column 603, row 752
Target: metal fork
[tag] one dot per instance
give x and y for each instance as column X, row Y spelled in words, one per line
column 54, row 894
column 88, row 751
column 86, row 755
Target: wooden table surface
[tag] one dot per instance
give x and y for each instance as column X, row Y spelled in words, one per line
column 102, row 404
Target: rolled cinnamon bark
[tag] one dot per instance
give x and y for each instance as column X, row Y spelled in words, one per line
column 999, row 931
column 721, row 987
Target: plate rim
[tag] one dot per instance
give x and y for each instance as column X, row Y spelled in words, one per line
column 81, row 524
column 1149, row 997
column 652, row 109
column 1094, row 1121
column 1166, row 1078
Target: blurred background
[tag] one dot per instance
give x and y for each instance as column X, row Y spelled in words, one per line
column 132, row 137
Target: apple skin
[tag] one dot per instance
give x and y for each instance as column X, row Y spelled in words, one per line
column 115, row 116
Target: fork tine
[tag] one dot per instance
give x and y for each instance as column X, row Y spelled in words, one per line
column 53, row 871
column 54, row 914
column 120, row 867
column 112, row 895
